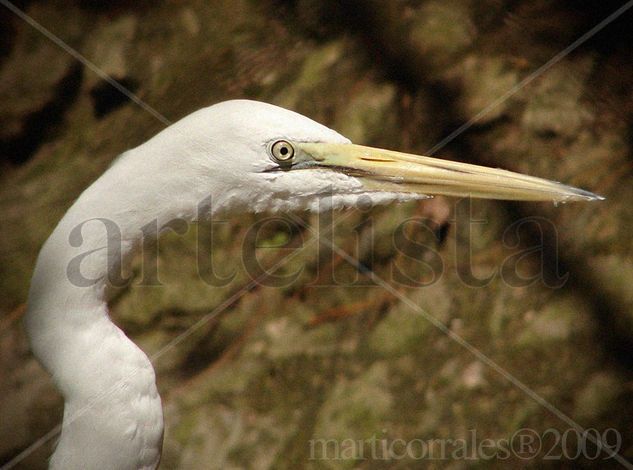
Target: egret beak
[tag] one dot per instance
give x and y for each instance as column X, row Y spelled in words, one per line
column 387, row 170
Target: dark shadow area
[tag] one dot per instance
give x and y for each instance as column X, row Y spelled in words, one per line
column 8, row 27
column 114, row 8
column 207, row 350
column 41, row 125
column 106, row 98
column 618, row 36
column 381, row 32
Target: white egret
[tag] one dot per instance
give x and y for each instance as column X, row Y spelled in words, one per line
column 246, row 155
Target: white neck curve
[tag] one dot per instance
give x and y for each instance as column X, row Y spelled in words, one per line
column 112, row 410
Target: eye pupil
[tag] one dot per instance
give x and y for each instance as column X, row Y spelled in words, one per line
column 282, row 151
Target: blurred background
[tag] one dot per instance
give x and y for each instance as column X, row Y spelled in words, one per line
column 332, row 356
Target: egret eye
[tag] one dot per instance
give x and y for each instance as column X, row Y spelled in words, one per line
column 282, row 151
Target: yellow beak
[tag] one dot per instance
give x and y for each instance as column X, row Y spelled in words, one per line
column 387, row 170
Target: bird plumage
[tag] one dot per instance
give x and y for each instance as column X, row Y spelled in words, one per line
column 112, row 412
column 220, row 155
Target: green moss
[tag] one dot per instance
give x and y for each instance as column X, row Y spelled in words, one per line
column 599, row 396
column 398, row 333
column 558, row 321
column 356, row 408
column 486, row 81
column 313, row 75
column 289, row 336
column 555, row 106
column 442, row 30
column 368, row 114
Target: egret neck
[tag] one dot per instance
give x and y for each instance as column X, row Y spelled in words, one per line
column 241, row 156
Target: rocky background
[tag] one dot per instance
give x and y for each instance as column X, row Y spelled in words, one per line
column 340, row 360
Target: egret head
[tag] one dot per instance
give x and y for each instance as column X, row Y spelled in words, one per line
column 267, row 157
